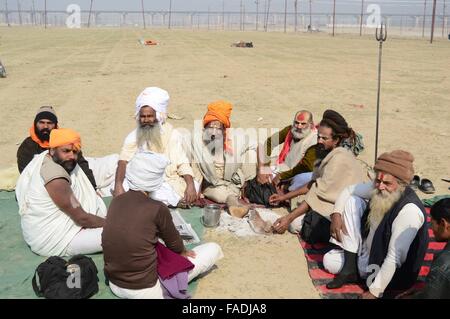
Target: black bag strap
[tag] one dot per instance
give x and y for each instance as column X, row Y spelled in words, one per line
column 37, row 290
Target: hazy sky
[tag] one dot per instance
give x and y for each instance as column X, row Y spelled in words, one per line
column 347, row 6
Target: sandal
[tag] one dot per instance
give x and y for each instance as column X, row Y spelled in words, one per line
column 426, row 186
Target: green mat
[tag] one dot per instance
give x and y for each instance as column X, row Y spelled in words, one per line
column 18, row 262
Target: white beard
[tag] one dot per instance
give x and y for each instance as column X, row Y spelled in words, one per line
column 300, row 135
column 150, row 136
column 381, row 203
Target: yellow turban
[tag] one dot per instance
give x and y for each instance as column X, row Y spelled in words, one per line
column 64, row 136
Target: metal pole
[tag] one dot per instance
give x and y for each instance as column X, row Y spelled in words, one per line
column 310, row 15
column 334, row 15
column 296, row 18
column 243, row 17
column 285, row 15
column 257, row 13
column 267, row 17
column 361, row 19
column 423, row 21
column 20, row 12
column 45, row 14
column 223, row 14
column 170, row 13
column 143, row 14
column 432, row 21
column 443, row 19
column 33, row 10
column 90, row 12
column 381, row 37
column 208, row 17
column 7, row 13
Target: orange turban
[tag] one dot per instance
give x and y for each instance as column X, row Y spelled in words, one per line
column 219, row 111
column 64, row 136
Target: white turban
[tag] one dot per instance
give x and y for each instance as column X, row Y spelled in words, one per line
column 145, row 171
column 157, row 99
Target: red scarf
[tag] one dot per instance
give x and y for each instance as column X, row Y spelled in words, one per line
column 286, row 148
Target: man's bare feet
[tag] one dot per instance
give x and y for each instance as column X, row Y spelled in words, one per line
column 258, row 225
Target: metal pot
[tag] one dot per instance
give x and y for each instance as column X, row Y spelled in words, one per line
column 211, row 215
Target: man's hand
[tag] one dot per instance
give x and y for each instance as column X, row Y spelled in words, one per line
column 337, row 227
column 275, row 199
column 281, row 224
column 189, row 253
column 118, row 190
column 368, row 295
column 276, row 180
column 190, row 194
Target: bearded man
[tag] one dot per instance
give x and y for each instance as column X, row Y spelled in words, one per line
column 388, row 235
column 60, row 212
column 38, row 141
column 297, row 156
column 223, row 159
column 155, row 135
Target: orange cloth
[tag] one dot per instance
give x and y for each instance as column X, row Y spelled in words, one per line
column 64, row 136
column 35, row 138
column 218, row 111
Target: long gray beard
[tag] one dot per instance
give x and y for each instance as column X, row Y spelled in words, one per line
column 150, row 136
column 381, row 203
column 299, row 136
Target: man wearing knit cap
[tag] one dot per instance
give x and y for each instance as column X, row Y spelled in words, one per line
column 223, row 160
column 155, row 135
column 61, row 213
column 335, row 169
column 387, row 235
column 45, row 121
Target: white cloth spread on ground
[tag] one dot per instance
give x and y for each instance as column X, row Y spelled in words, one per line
column 351, row 205
column 47, row 229
column 241, row 226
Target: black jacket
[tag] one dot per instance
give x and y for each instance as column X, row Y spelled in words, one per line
column 437, row 284
column 29, row 148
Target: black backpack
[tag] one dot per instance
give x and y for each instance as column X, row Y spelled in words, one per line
column 58, row 279
column 259, row 193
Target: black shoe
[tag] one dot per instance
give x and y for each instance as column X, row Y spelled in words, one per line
column 415, row 183
column 342, row 279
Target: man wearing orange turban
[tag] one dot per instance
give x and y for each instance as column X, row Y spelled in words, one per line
column 60, row 210
column 223, row 168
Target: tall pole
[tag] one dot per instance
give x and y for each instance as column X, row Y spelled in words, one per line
column 7, row 13
column 223, row 14
column 90, row 12
column 257, row 13
column 267, row 14
column 20, row 12
column 33, row 10
column 443, row 19
column 361, row 18
column 433, row 21
column 381, row 36
column 295, row 18
column 310, row 15
column 170, row 13
column 334, row 15
column 45, row 14
column 143, row 14
column 423, row 20
column 285, row 15
column 208, row 17
column 241, row 17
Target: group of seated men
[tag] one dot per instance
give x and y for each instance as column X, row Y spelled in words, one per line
column 377, row 223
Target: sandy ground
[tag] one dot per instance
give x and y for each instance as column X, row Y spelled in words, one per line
column 92, row 78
